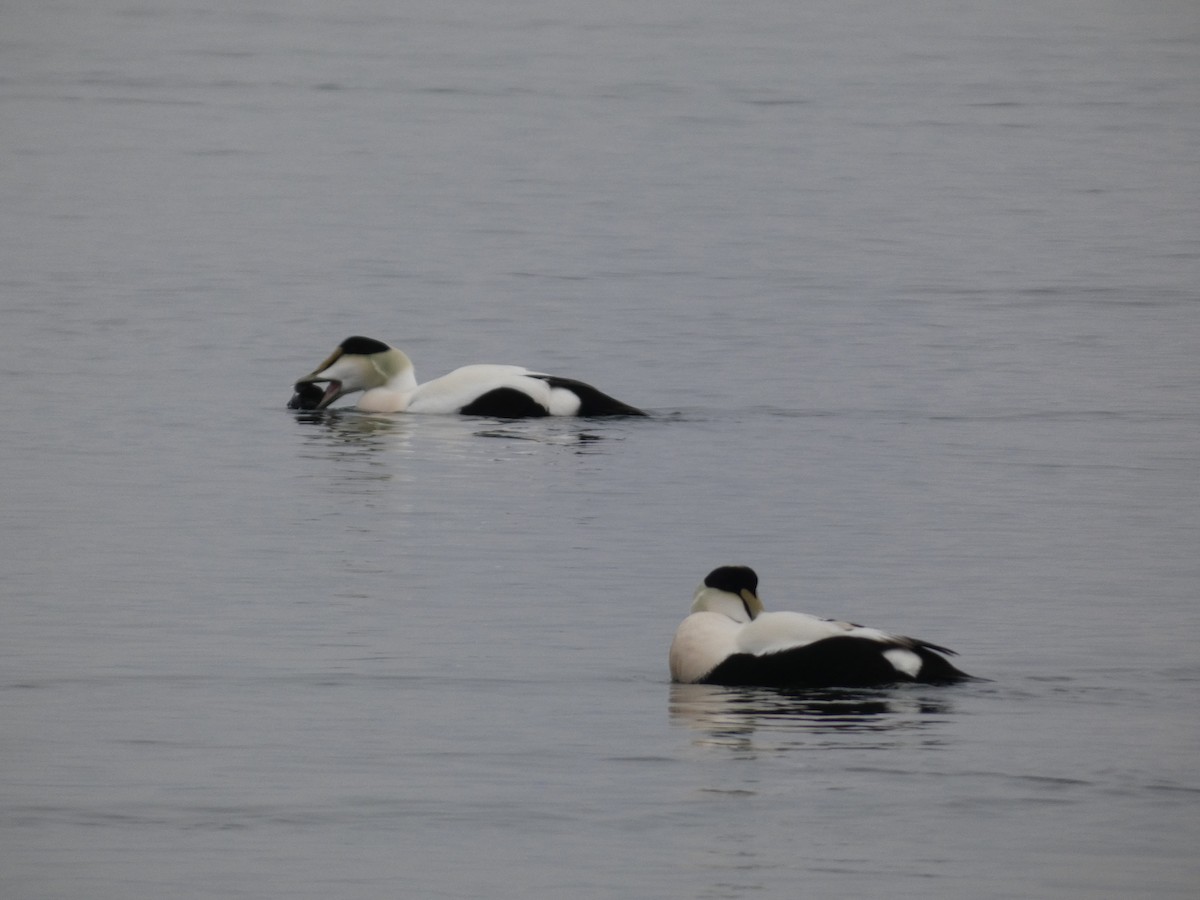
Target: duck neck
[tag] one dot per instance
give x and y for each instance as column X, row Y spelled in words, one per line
column 397, row 390
column 714, row 600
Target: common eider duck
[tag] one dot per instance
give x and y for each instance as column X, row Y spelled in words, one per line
column 730, row 640
column 386, row 378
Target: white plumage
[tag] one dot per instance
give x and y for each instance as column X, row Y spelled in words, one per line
column 730, row 639
column 388, row 383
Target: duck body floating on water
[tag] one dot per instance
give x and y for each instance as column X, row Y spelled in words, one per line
column 388, row 383
column 729, row 639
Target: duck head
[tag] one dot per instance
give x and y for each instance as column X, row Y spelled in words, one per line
column 358, row 364
column 731, row 591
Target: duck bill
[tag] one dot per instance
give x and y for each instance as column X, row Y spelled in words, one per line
column 753, row 605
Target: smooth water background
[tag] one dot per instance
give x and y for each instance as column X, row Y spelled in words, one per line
column 912, row 289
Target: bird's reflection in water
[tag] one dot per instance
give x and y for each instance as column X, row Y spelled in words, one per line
column 367, row 430
column 359, row 449
column 348, row 424
column 345, row 435
column 580, row 441
column 736, row 714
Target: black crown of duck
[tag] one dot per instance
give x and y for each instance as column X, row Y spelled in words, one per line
column 730, row 639
column 388, row 384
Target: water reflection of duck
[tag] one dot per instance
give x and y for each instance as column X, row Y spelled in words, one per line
column 389, row 384
column 737, row 712
column 729, row 639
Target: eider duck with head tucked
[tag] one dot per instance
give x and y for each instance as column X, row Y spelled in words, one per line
column 730, row 640
column 388, row 384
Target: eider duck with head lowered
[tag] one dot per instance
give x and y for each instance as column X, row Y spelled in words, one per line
column 388, row 383
column 729, row 639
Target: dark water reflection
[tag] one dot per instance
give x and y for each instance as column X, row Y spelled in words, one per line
column 729, row 712
column 344, row 428
column 348, row 426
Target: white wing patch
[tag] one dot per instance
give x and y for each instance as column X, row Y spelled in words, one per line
column 563, row 402
column 904, row 661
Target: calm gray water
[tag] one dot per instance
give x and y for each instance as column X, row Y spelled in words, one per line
column 913, row 291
